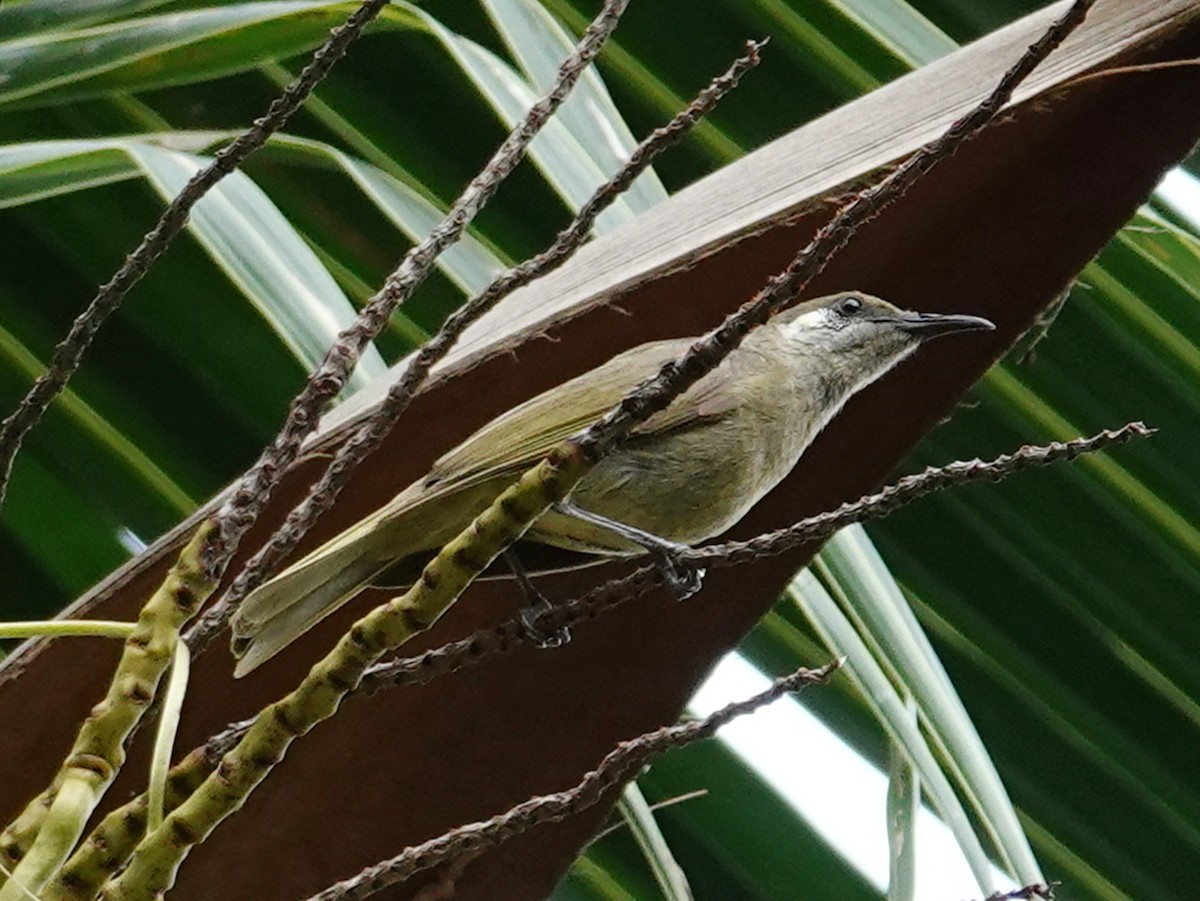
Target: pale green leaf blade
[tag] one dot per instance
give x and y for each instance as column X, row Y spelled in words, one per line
column 872, row 593
column 555, row 151
column 247, row 236
column 160, row 50
column 539, row 44
column 39, row 16
column 903, row 803
column 841, row 637
column 639, row 817
column 470, row 263
column 900, row 27
column 33, row 172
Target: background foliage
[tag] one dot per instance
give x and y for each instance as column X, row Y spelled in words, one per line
column 1061, row 602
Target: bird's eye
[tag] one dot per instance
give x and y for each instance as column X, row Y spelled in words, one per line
column 848, row 306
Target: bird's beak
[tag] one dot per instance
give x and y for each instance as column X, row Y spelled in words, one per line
column 930, row 325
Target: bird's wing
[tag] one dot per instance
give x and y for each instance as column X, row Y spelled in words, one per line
column 509, row 444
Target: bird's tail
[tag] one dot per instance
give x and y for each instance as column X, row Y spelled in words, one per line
column 280, row 611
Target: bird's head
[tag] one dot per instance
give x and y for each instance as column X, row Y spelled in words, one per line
column 859, row 337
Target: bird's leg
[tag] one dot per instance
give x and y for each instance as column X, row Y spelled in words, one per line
column 684, row 578
column 538, row 604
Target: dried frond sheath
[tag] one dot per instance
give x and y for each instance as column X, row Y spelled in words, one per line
column 617, row 767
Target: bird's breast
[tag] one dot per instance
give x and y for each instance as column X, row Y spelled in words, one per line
column 693, row 484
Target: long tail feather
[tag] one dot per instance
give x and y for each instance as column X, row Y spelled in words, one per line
column 283, row 609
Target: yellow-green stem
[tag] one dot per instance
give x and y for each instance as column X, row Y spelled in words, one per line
column 155, row 862
column 99, row 749
column 109, row 845
column 67, row 628
column 19, row 835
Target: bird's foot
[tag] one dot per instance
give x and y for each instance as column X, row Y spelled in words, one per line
column 672, row 557
column 682, row 576
column 537, row 633
column 538, row 606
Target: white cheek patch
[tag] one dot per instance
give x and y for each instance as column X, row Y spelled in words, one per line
column 813, row 319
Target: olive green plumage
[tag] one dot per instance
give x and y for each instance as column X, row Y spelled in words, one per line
column 686, row 474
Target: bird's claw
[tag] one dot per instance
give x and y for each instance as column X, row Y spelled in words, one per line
column 681, row 577
column 539, row 635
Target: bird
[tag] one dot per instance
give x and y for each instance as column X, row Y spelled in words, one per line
column 683, row 476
